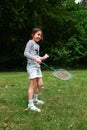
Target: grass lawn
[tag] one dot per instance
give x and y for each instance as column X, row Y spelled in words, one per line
column 65, row 105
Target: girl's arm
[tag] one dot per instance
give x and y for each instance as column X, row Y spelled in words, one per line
column 27, row 50
column 44, row 57
column 27, row 54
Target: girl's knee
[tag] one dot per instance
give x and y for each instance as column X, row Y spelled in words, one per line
column 40, row 85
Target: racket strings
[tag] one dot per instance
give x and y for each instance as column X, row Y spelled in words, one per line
column 62, row 74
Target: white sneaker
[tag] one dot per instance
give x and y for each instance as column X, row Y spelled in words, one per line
column 34, row 108
column 38, row 101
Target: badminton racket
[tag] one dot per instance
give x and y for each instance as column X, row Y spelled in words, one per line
column 61, row 74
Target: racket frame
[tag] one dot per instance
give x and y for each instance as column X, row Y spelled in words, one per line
column 55, row 71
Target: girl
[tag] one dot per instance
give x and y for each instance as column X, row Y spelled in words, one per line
column 31, row 52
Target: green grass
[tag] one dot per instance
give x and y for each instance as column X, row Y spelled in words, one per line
column 65, row 105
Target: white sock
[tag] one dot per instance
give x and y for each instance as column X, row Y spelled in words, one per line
column 31, row 102
column 35, row 96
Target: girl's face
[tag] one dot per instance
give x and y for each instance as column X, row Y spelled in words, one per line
column 37, row 36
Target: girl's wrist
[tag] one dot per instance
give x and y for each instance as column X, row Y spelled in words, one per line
column 35, row 58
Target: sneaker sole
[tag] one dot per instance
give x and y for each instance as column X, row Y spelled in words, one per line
column 38, row 102
column 35, row 109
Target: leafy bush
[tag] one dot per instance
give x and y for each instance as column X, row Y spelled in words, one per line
column 64, row 26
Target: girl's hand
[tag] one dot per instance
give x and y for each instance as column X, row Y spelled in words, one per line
column 45, row 57
column 37, row 59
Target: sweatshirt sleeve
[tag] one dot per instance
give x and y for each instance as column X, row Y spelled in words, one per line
column 27, row 51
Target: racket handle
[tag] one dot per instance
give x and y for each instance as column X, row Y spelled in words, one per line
column 45, row 64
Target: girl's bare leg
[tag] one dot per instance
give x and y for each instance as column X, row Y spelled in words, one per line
column 31, row 88
column 39, row 85
column 30, row 95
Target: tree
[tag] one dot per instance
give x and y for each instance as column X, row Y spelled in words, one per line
column 60, row 25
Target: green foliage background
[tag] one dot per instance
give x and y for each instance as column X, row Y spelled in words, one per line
column 64, row 25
